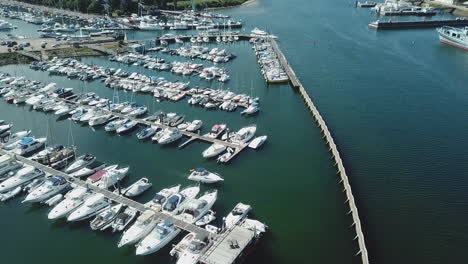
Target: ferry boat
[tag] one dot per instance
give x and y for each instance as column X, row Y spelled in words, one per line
column 457, row 37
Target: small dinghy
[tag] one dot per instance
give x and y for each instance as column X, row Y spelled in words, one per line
column 204, row 176
column 226, row 156
column 10, row 194
column 257, row 142
column 206, row 219
column 54, row 200
column 137, row 188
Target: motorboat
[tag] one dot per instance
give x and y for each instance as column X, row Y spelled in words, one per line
column 51, row 186
column 244, row 134
column 93, row 205
column 99, row 119
column 257, row 142
column 8, row 165
column 170, row 135
column 146, row 132
column 123, row 219
column 104, row 219
column 73, row 199
column 28, row 145
column 15, row 137
column 239, row 212
column 159, row 237
column 111, row 177
column 202, row 175
column 216, row 131
column 97, row 176
column 139, row 111
column 206, row 219
column 62, row 158
column 142, row 227
column 183, row 244
column 251, row 109
column 112, row 126
column 214, row 150
column 194, row 126
column 5, row 128
column 197, row 208
column 127, row 127
column 176, row 202
column 80, row 163
column 161, row 197
column 63, row 110
column 89, row 169
column 137, row 188
column 22, row 176
column 193, row 251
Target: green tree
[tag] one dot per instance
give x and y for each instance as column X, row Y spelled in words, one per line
column 95, row 7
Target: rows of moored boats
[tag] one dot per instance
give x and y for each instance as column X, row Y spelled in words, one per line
column 215, row 55
column 272, row 70
column 76, row 202
column 95, row 111
column 160, row 88
column 176, row 67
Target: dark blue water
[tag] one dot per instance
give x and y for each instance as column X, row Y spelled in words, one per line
column 394, row 100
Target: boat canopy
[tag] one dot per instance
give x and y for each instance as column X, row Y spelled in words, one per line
column 97, row 176
column 26, row 140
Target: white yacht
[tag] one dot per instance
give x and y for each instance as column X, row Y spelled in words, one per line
column 216, row 131
column 244, row 134
column 49, row 188
column 202, row 175
column 206, row 219
column 146, row 132
column 161, row 197
column 236, row 215
column 142, row 227
column 257, row 142
column 28, row 145
column 197, row 208
column 251, row 109
column 176, row 202
column 92, row 206
column 111, row 177
column 22, row 176
column 73, row 199
column 194, row 126
column 160, row 236
column 137, row 188
column 16, row 137
column 80, row 163
column 89, row 169
column 9, row 165
column 99, row 119
column 129, row 125
column 112, row 126
column 170, row 135
column 63, row 110
column 214, row 150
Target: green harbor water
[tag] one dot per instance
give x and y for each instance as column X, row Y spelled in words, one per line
column 395, row 101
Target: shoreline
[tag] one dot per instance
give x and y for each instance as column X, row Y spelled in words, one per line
column 230, row 7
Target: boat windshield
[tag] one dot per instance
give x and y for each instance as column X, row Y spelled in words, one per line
column 159, row 199
column 172, row 203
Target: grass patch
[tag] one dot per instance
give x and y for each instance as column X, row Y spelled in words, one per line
column 13, row 58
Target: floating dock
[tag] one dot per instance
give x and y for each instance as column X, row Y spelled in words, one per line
column 334, row 150
column 418, row 24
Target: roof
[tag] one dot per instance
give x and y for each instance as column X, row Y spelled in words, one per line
column 96, row 176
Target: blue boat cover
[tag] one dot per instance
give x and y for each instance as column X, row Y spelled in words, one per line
column 26, row 140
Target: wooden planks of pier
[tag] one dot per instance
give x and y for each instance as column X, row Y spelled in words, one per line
column 334, row 150
column 111, row 195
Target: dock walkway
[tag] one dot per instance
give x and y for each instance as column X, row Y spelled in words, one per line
column 112, row 196
column 334, row 150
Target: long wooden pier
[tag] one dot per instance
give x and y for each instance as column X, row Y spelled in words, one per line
column 112, row 196
column 334, row 150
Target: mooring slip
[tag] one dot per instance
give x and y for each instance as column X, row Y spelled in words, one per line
column 334, row 150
